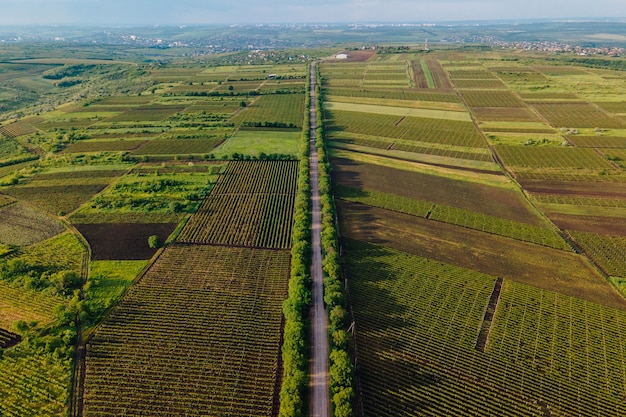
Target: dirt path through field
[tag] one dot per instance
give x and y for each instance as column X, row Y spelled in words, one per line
column 320, row 399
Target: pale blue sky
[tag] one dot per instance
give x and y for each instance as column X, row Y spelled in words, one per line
column 125, row 12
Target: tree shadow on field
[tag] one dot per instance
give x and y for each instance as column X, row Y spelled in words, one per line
column 387, row 367
column 342, row 174
column 330, row 122
column 358, row 221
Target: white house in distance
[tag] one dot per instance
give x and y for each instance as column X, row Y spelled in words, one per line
column 341, row 56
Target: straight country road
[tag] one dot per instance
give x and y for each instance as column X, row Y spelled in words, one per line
column 320, row 394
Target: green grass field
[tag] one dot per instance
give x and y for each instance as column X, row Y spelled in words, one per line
column 255, row 142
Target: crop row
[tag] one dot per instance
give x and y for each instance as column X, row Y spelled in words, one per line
column 480, row 98
column 16, row 129
column 552, row 157
column 251, row 205
column 258, row 177
column 449, row 132
column 481, row 84
column 416, row 324
column 577, row 115
column 439, row 75
column 393, row 94
column 147, row 113
column 415, row 148
column 284, row 109
column 101, row 146
column 565, row 339
column 8, row 338
column 503, row 227
column 598, row 141
column 199, row 334
column 471, row 75
column 450, row 153
column 32, row 385
column 13, row 298
column 579, row 200
column 24, row 225
column 607, row 251
column 5, row 200
column 178, row 146
column 255, row 220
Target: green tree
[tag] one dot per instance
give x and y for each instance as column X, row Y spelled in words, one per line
column 154, row 242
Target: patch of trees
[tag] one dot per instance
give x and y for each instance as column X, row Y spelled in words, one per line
column 20, row 272
column 606, row 63
column 392, row 49
column 65, row 83
column 67, row 71
column 280, row 125
column 18, row 160
column 229, row 93
column 236, row 156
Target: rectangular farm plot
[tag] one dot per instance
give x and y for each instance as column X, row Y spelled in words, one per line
column 495, row 201
column 177, row 146
column 415, row 95
column 201, row 331
column 567, row 347
column 251, row 205
column 22, row 225
column 123, row 241
column 275, row 110
column 598, row 141
column 62, row 192
column 418, row 320
column 529, row 263
column 103, row 146
column 479, row 98
column 549, row 157
column 504, row 114
column 147, row 113
column 576, row 115
column 449, row 132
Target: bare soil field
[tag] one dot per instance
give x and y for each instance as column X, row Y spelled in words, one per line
column 594, row 224
column 579, row 188
column 123, row 241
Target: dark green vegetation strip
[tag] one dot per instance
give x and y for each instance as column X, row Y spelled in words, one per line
column 295, row 350
column 341, row 370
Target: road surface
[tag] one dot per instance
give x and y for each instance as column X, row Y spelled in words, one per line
column 320, row 394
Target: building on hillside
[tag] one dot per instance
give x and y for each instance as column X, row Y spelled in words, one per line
column 341, row 56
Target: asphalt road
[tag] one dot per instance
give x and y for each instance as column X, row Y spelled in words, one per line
column 320, row 393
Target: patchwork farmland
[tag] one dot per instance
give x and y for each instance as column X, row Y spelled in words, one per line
column 93, row 191
column 154, row 236
column 427, row 237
